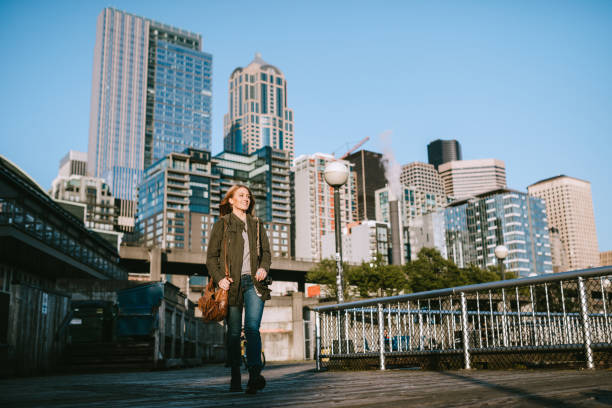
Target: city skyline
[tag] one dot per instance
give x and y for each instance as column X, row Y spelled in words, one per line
column 534, row 94
column 150, row 96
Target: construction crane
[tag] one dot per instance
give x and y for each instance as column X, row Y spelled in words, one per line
column 357, row 146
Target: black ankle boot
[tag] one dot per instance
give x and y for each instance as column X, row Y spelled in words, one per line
column 256, row 381
column 235, row 384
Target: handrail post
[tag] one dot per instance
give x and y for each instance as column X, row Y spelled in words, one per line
column 504, row 319
column 586, row 328
column 464, row 330
column 318, row 339
column 381, row 336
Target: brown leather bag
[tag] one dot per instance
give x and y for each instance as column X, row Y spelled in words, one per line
column 213, row 303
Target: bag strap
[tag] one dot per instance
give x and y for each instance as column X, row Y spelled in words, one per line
column 225, row 246
column 258, row 242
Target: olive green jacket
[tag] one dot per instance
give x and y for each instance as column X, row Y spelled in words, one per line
column 215, row 256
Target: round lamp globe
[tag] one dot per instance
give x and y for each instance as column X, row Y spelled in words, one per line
column 336, row 173
column 501, row 252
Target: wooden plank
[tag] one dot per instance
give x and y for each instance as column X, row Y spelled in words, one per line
column 297, row 385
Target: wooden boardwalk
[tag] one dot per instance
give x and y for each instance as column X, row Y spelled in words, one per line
column 297, row 385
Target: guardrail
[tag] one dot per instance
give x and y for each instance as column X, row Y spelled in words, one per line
column 74, row 240
column 556, row 319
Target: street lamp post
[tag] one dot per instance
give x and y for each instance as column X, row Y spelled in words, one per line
column 336, row 174
column 501, row 252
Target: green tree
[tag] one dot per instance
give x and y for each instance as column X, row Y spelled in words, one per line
column 324, row 273
column 376, row 277
column 474, row 274
column 431, row 271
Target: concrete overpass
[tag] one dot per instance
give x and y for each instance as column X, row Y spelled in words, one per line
column 155, row 261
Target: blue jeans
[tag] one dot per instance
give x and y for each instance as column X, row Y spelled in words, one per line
column 253, row 307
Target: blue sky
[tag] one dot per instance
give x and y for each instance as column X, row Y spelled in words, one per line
column 527, row 82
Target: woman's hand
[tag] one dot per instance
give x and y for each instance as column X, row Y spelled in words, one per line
column 225, row 283
column 261, row 274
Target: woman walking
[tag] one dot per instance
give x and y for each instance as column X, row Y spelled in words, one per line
column 239, row 238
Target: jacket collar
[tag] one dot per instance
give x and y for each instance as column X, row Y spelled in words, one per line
column 236, row 224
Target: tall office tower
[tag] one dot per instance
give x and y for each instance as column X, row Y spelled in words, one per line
column 178, row 201
column 73, row 164
column 605, row 258
column 370, row 172
column 266, row 173
column 467, row 178
column 258, row 115
column 314, row 204
column 443, row 151
column 423, row 177
column 151, row 96
column 570, row 210
column 475, row 226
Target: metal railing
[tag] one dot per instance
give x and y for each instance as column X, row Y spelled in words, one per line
column 560, row 319
column 77, row 243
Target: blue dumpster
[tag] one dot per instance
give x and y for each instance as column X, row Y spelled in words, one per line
column 137, row 316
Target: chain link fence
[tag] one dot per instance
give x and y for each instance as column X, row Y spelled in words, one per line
column 561, row 321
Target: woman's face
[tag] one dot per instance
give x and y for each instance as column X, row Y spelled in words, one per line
column 241, row 199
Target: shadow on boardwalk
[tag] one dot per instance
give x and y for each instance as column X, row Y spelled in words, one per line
column 297, row 385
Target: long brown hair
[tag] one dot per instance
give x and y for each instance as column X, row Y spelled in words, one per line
column 225, row 207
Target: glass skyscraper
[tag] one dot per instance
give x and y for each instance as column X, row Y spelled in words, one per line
column 474, row 227
column 151, row 96
column 443, row 151
column 370, row 172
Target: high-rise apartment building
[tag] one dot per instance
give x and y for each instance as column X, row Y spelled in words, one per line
column 258, row 115
column 266, row 173
column 178, row 201
column 443, row 151
column 570, row 209
column 466, row 178
column 179, row 197
column 314, row 204
column 151, row 96
column 370, row 174
column 423, row 177
column 475, row 226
